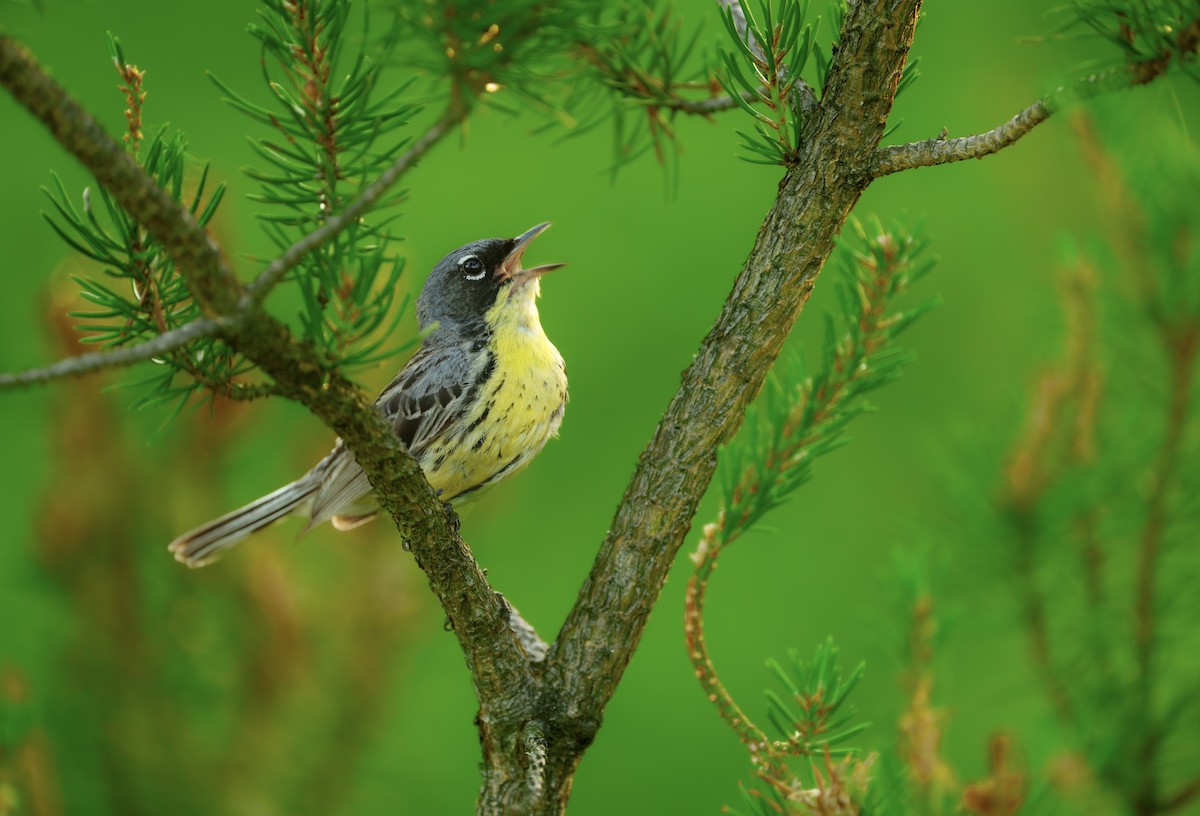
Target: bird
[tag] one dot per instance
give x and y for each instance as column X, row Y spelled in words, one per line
column 478, row 400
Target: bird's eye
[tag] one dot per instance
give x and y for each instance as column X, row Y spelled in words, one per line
column 472, row 267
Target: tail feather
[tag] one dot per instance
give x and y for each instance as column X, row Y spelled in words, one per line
column 202, row 545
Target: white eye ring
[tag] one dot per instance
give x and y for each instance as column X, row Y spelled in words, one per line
column 462, row 263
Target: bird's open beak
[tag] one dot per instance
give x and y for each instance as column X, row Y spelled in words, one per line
column 511, row 268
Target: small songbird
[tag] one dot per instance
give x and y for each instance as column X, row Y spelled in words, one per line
column 475, row 404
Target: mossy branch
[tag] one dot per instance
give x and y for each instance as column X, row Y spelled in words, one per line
column 733, row 360
column 430, row 528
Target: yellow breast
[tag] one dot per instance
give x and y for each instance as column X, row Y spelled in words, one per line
column 519, row 409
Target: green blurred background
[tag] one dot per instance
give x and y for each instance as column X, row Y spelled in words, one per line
column 316, row 676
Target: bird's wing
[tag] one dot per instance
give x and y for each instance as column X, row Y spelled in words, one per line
column 424, row 398
column 427, row 396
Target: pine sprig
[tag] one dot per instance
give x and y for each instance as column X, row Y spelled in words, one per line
column 642, row 78
column 815, row 720
column 815, row 716
column 774, row 455
column 803, row 416
column 140, row 295
column 761, row 73
column 331, row 122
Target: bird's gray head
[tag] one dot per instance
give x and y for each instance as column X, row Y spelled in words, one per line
column 464, row 285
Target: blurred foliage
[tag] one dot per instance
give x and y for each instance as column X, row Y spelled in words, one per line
column 333, row 129
column 314, row 679
column 158, row 300
column 1145, row 31
column 1097, row 505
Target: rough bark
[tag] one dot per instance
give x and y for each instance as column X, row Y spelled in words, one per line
column 537, row 717
column 602, row 631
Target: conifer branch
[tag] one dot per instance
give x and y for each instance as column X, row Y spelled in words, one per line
column 731, row 363
column 196, row 254
column 498, row 663
column 92, row 361
column 705, row 561
column 704, row 107
column 799, row 422
column 893, row 159
column 356, row 208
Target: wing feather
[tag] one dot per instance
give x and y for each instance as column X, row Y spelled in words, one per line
column 424, row 399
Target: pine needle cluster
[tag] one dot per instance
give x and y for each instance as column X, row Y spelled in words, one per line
column 814, row 722
column 331, row 128
column 139, row 294
column 802, row 414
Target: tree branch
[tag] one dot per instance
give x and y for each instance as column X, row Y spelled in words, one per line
column 895, row 158
column 704, row 107
column 705, row 560
column 806, row 98
column 123, row 356
column 930, row 152
column 673, row 472
column 430, row 528
column 186, row 242
column 357, row 208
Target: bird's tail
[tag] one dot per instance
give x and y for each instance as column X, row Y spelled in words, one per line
column 202, row 545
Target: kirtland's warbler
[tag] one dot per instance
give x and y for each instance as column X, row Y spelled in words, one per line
column 475, row 404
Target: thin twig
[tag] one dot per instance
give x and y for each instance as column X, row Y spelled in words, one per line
column 356, row 209
column 112, row 358
column 198, row 258
column 930, row 152
column 194, row 252
column 714, row 104
column 803, row 93
column 753, row 737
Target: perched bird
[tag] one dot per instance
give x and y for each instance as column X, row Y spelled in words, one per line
column 475, row 404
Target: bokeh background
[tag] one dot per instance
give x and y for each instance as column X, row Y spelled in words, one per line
column 315, row 676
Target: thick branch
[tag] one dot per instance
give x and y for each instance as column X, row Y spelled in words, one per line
column 112, row 358
column 430, row 528
column 603, row 629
